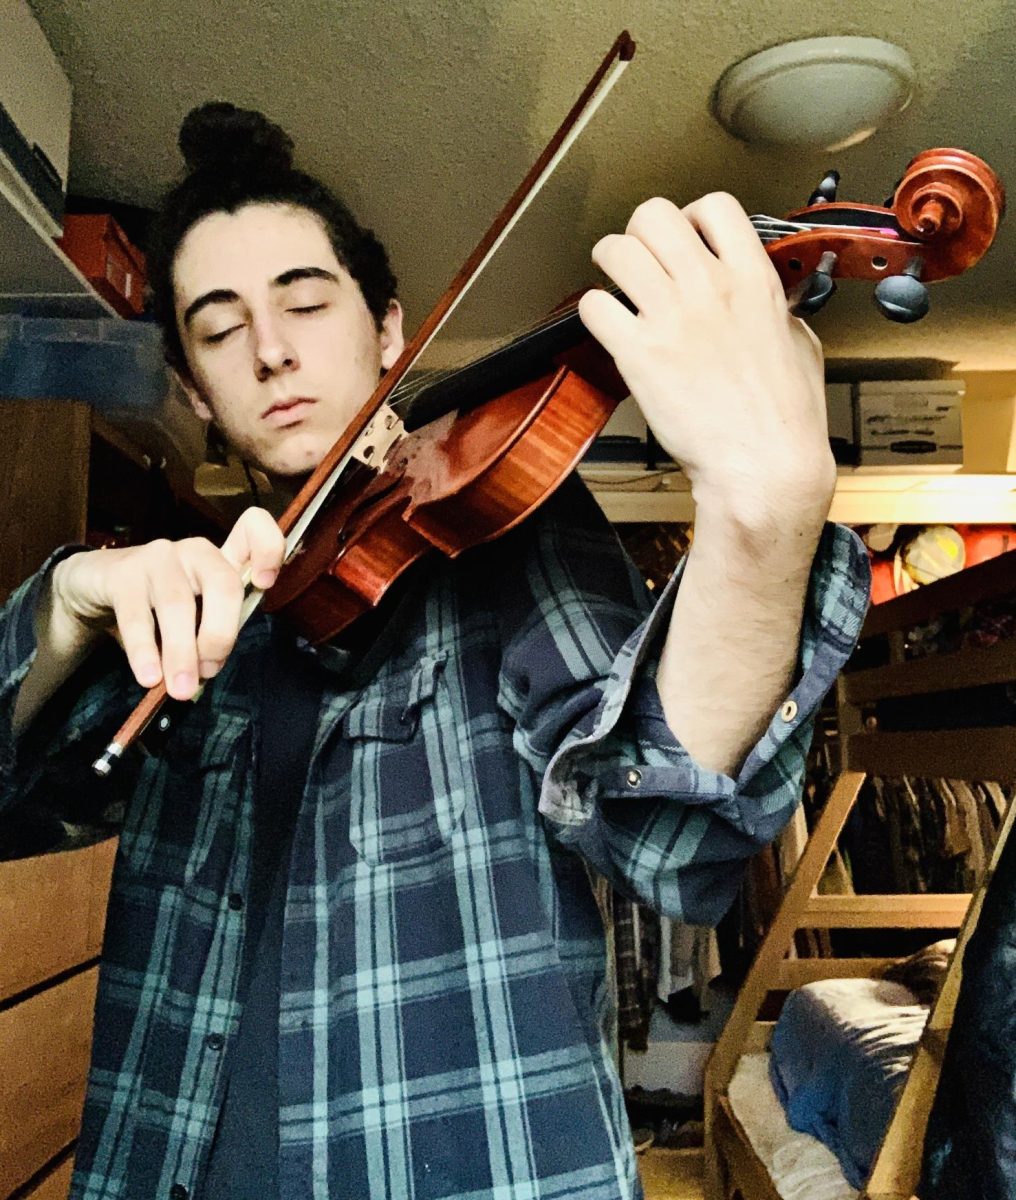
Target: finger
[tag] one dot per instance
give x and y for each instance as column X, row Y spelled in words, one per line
column 175, row 608
column 221, row 590
column 673, row 241
column 136, row 629
column 723, row 225
column 256, row 543
column 635, row 271
column 607, row 320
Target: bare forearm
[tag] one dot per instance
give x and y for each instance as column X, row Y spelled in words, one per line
column 61, row 645
column 732, row 646
column 731, row 384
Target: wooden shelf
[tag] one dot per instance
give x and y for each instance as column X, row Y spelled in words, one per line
column 864, row 495
column 949, row 753
column 973, row 666
column 36, row 277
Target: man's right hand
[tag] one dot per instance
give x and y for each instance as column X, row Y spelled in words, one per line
column 148, row 597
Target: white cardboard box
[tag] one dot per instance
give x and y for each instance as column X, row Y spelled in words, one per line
column 910, row 422
column 36, row 95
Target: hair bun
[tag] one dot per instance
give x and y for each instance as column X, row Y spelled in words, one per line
column 226, row 138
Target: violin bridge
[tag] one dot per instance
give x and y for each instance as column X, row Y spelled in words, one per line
column 383, row 430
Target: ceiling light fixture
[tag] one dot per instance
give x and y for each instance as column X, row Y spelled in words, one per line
column 822, row 93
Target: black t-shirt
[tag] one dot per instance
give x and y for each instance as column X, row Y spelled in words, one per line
column 244, row 1160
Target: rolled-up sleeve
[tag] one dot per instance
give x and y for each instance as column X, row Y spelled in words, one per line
column 617, row 786
column 85, row 710
column 17, row 652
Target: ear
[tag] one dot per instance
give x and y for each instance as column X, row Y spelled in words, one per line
column 197, row 401
column 392, row 340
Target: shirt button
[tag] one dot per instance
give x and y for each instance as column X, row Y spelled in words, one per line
column 235, row 901
column 634, row 777
column 789, row 710
column 215, row 1041
column 178, row 1192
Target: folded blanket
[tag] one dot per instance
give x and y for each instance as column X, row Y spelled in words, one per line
column 840, row 1054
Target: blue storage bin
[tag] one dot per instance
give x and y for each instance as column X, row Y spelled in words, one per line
column 108, row 363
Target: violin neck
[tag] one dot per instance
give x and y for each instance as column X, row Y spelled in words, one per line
column 525, row 358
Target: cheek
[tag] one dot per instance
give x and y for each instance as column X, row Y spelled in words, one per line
column 213, row 371
column 223, row 395
column 353, row 341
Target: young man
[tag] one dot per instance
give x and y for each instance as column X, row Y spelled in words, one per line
column 352, row 946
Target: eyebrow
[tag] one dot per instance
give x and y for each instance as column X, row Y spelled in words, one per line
column 227, row 296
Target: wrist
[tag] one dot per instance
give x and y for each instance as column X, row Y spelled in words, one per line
column 781, row 505
column 62, row 642
column 760, row 538
column 57, row 620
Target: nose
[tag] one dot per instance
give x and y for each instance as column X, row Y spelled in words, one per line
column 273, row 352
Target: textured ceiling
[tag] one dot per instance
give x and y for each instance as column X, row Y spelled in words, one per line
column 425, row 116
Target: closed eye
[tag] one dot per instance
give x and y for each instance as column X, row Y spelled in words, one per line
column 214, row 338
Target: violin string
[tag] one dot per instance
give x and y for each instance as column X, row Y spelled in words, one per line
column 418, row 382
column 407, row 392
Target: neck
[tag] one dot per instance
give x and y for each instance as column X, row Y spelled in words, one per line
column 283, row 491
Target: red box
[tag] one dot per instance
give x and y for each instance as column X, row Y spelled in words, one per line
column 97, row 245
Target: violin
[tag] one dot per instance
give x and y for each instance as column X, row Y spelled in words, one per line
column 941, row 219
column 454, row 461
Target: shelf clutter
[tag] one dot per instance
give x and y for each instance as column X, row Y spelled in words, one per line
column 922, row 452
column 36, row 277
column 864, row 495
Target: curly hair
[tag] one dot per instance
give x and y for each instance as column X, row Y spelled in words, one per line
column 237, row 157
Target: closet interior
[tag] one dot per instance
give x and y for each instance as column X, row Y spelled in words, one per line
column 906, row 799
column 928, row 697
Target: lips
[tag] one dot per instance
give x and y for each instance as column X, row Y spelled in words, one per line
column 285, row 412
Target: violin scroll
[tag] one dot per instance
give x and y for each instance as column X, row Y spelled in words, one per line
column 952, row 197
column 941, row 220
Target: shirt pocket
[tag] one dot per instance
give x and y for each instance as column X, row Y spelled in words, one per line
column 407, row 791
column 186, row 796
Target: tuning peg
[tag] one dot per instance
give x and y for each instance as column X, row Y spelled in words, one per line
column 812, row 293
column 825, row 193
column 904, row 298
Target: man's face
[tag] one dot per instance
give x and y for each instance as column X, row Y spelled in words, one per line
column 281, row 347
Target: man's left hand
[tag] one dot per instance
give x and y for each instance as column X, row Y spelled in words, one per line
column 729, row 382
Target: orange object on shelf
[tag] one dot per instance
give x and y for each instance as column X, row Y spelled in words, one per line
column 987, row 541
column 100, row 249
column 934, row 552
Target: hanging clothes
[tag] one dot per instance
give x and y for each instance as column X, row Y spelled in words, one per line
column 689, row 962
column 970, row 1144
column 636, row 958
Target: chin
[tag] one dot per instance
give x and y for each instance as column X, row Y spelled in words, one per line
column 296, row 460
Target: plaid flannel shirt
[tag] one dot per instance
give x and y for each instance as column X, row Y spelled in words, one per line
column 446, row 1025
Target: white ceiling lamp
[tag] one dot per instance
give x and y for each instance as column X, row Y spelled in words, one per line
column 822, row 93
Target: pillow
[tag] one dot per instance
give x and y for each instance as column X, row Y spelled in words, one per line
column 923, row 973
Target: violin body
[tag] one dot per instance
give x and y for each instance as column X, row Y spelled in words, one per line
column 457, row 482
